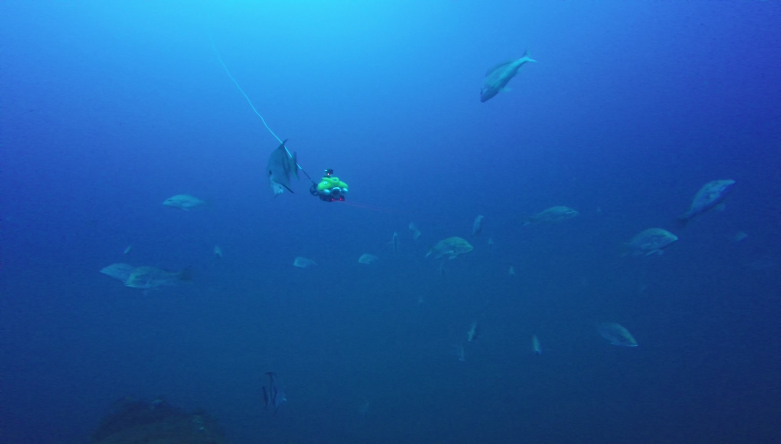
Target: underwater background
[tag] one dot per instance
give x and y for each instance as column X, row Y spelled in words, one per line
column 109, row 108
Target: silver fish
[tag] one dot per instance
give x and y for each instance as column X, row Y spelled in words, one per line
column 274, row 393
column 415, row 232
column 184, row 202
column 302, row 262
column 551, row 215
column 536, row 347
column 651, row 241
column 147, row 278
column 367, row 259
column 451, row 247
column 279, row 168
column 496, row 78
column 474, row 332
column 395, row 242
column 711, row 195
column 616, row 334
column 477, row 225
column 119, row 271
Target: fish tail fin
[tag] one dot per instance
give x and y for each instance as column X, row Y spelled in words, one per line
column 186, row 275
column 528, row 57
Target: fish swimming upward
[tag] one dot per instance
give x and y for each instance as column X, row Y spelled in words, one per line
column 395, row 242
column 274, row 393
column 496, row 78
column 414, row 230
column 477, row 226
column 536, row 347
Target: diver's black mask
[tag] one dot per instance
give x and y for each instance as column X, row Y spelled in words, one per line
column 328, row 172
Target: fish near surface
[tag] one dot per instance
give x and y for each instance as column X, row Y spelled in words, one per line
column 651, row 241
column 616, row 334
column 496, row 78
column 184, row 202
column 711, row 195
column 451, row 247
column 552, row 215
column 147, row 278
column 477, row 226
column 279, row 168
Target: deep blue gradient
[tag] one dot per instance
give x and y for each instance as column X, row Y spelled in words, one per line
column 109, row 108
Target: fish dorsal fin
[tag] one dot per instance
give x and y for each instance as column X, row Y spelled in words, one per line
column 500, row 65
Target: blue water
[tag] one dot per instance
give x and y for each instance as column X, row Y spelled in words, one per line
column 110, row 108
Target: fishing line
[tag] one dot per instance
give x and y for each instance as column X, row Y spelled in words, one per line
column 227, row 71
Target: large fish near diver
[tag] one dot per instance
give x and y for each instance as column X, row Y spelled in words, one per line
column 711, row 195
column 496, row 78
column 279, row 168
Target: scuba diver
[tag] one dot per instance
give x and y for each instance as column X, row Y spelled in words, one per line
column 330, row 188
